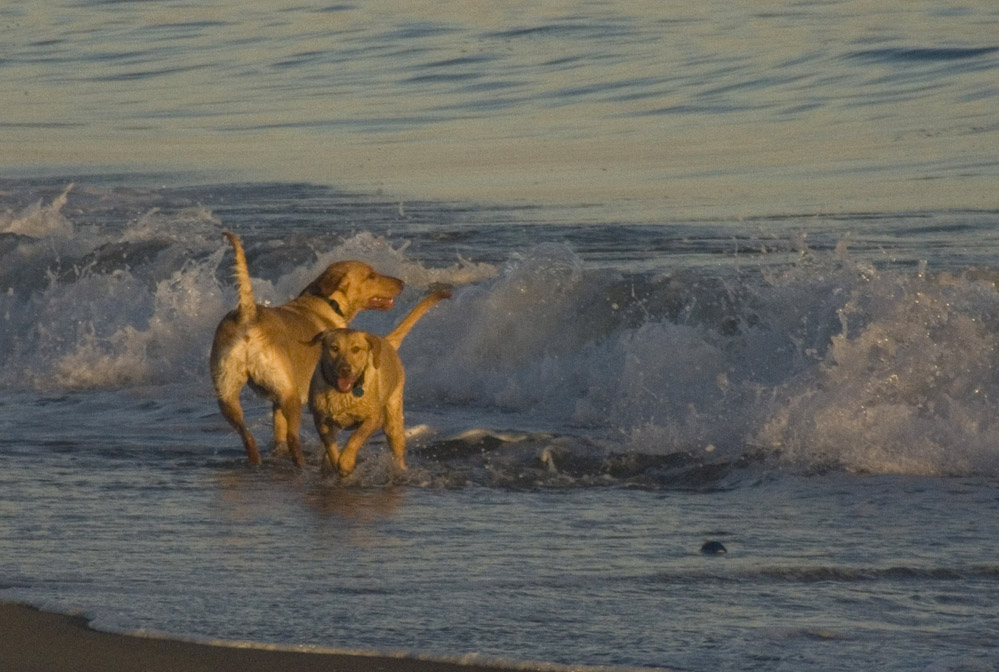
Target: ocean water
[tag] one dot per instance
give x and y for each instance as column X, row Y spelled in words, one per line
column 723, row 273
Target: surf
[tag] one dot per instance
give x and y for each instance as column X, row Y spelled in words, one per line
column 807, row 353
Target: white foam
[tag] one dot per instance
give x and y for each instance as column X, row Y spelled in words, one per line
column 834, row 364
column 823, row 362
column 39, row 220
column 906, row 387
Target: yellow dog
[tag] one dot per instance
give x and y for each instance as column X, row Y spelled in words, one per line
column 358, row 384
column 270, row 347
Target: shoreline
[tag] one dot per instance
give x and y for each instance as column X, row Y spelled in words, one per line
column 33, row 639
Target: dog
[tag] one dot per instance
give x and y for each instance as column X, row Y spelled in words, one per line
column 358, row 384
column 269, row 347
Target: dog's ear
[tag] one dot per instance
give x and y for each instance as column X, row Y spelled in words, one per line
column 318, row 338
column 331, row 280
column 375, row 348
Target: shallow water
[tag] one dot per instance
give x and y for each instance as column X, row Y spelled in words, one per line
column 821, row 572
column 722, row 273
column 588, row 410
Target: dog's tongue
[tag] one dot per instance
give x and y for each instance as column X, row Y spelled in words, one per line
column 345, row 384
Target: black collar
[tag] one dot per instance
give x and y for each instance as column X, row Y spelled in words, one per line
column 335, row 306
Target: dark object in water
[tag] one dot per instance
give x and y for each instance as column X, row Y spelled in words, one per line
column 713, row 548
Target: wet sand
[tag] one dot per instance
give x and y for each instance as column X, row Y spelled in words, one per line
column 36, row 641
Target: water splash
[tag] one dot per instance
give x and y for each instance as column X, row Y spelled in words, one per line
column 39, row 220
column 817, row 359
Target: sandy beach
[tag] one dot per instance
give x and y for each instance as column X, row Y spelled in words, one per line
column 36, row 641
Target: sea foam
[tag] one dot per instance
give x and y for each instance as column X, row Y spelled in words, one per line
column 826, row 361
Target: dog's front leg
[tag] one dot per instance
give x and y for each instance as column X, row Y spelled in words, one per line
column 327, row 433
column 349, row 455
column 395, row 431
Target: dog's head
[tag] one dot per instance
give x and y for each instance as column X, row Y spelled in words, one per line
column 355, row 286
column 346, row 355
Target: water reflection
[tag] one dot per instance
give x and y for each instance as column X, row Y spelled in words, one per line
column 357, row 505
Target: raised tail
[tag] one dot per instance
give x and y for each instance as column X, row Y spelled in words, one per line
column 396, row 335
column 247, row 307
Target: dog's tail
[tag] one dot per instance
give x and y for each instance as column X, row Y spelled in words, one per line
column 247, row 307
column 396, row 335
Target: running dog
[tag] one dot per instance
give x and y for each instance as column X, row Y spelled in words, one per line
column 358, row 384
column 273, row 348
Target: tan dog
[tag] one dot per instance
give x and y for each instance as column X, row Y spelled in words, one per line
column 359, row 383
column 270, row 347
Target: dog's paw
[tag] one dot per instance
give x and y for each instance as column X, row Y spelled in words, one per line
column 345, row 465
column 441, row 290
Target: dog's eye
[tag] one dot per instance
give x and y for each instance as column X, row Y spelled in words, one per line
column 334, row 348
column 356, row 350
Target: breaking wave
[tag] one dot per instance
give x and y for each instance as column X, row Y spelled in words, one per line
column 826, row 362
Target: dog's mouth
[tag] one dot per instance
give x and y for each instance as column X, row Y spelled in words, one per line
column 343, row 379
column 391, row 287
column 381, row 303
column 345, row 383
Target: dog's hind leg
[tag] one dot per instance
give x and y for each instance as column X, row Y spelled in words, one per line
column 228, row 380
column 280, row 431
column 290, row 412
column 233, row 412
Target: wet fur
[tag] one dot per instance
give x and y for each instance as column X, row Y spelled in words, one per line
column 356, row 360
column 271, row 347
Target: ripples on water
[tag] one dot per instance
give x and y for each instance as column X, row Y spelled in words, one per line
column 702, row 107
column 585, row 412
column 779, row 220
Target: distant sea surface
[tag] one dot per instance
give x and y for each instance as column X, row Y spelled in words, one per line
column 723, row 272
column 653, row 110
